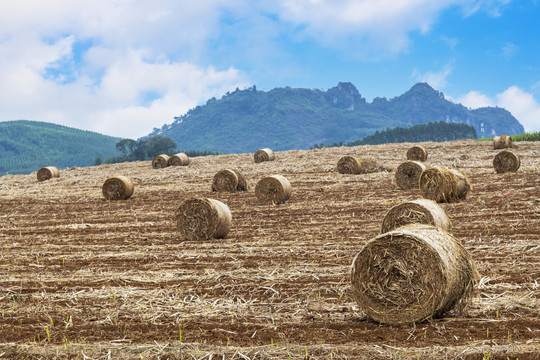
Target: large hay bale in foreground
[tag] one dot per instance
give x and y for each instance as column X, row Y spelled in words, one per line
column 502, row 142
column 420, row 211
column 352, row 165
column 506, row 161
column 262, row 155
column 443, row 185
column 47, row 173
column 118, row 188
column 408, row 173
column 417, row 153
column 160, row 161
column 180, row 159
column 229, row 180
column 203, row 218
column 274, row 189
column 411, row 274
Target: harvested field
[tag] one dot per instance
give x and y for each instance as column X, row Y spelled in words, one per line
column 83, row 277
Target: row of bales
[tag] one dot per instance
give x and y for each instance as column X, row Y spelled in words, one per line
column 414, row 270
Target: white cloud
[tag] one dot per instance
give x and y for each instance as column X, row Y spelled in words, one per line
column 436, row 79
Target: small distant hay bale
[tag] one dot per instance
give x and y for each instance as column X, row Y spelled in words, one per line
column 160, row 161
column 420, row 211
column 408, row 173
column 274, row 189
column 180, row 159
column 203, row 219
column 441, row 184
column 352, row 165
column 118, row 188
column 47, row 173
column 506, row 161
column 417, row 153
column 411, row 274
column 262, row 155
column 502, row 142
column 229, row 180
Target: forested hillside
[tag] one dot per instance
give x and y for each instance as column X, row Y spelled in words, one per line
column 26, row 146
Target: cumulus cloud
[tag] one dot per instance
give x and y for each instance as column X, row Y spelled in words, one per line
column 436, row 79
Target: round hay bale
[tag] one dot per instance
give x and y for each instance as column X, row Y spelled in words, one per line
column 411, row 274
column 441, row 184
column 417, row 153
column 274, row 189
column 179, row 159
column 203, row 218
column 160, row 161
column 47, row 173
column 408, row 173
column 118, row 188
column 351, row 165
column 420, row 211
column 502, row 142
column 262, row 155
column 229, row 180
column 506, row 161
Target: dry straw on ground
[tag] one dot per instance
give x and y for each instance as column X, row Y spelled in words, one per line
column 502, row 142
column 352, row 165
column 203, row 218
column 274, row 189
column 118, row 188
column 420, row 211
column 160, row 161
column 47, row 173
column 262, row 155
column 417, row 153
column 179, row 159
column 408, row 173
column 411, row 274
column 506, row 161
column 230, row 180
column 443, row 184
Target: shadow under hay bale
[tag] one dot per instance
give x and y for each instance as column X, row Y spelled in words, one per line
column 502, row 142
column 417, row 153
column 229, row 180
column 203, row 218
column 274, row 189
column 408, row 174
column 420, row 211
column 262, row 155
column 179, row 159
column 411, row 274
column 47, row 173
column 352, row 165
column 160, row 161
column 506, row 161
column 441, row 184
column 118, row 188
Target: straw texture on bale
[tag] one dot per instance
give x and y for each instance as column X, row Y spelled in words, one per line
column 47, row 173
column 160, row 161
column 506, row 161
column 179, row 159
column 417, row 153
column 274, row 189
column 264, row 155
column 443, row 185
column 118, row 188
column 351, row 165
column 229, row 180
column 411, row 274
column 203, row 218
column 420, row 211
column 502, row 142
column 408, row 173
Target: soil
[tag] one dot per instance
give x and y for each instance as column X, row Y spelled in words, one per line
column 83, row 277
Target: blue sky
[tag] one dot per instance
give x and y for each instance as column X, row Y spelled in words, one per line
column 123, row 67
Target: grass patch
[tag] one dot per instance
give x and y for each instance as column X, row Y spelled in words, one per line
column 533, row 136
